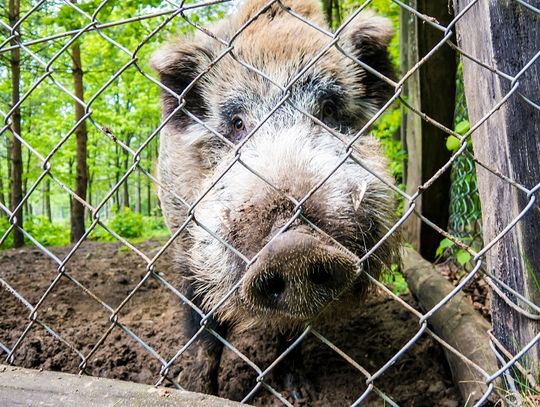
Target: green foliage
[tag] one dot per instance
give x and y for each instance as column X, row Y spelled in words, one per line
column 453, row 143
column 462, row 256
column 463, row 127
column 394, row 280
column 132, row 226
column 41, row 229
column 46, row 232
column 445, row 244
column 4, row 226
column 127, row 223
column 125, row 112
column 385, row 130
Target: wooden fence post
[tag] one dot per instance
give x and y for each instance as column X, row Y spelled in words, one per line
column 505, row 35
column 432, row 90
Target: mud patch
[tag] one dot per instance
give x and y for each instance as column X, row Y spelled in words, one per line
column 153, row 317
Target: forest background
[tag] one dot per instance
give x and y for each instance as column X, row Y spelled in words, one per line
column 92, row 153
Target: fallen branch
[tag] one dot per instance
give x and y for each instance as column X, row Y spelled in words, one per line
column 457, row 323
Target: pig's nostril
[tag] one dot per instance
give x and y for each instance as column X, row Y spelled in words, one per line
column 273, row 287
column 320, row 275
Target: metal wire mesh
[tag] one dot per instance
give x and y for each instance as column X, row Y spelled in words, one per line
column 185, row 11
column 465, row 213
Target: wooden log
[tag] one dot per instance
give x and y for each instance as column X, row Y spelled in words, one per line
column 457, row 323
column 505, row 35
column 25, row 387
column 431, row 89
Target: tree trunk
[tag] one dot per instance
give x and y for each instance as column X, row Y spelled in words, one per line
column 505, row 35
column 47, row 199
column 90, row 192
column 15, row 149
column 332, row 12
column 138, row 201
column 81, row 183
column 149, row 198
column 27, row 207
column 431, row 90
column 2, row 197
column 8, row 172
column 126, row 183
column 116, row 176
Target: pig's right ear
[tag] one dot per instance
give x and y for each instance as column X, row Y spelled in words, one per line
column 178, row 64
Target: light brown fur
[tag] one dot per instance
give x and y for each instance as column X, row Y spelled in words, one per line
column 280, row 45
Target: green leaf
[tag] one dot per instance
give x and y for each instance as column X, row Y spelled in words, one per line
column 463, row 257
column 445, row 244
column 452, row 143
column 463, row 127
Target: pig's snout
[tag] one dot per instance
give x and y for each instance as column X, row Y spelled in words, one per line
column 297, row 274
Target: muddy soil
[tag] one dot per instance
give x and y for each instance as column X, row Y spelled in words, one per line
column 110, row 271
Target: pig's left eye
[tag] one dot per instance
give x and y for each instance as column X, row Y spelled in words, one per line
column 239, row 128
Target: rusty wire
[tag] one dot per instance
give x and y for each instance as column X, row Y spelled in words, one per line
column 182, row 11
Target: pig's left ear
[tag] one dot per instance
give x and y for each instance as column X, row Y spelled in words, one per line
column 178, row 64
column 369, row 36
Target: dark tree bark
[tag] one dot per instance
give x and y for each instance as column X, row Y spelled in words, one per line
column 81, row 179
column 15, row 149
column 431, row 90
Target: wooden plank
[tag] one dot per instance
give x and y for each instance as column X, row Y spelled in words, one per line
column 506, row 35
column 431, row 90
column 25, row 387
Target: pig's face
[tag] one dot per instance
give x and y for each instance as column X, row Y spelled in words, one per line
column 291, row 193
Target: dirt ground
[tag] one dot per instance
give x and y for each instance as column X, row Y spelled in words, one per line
column 375, row 333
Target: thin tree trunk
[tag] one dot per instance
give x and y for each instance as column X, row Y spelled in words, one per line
column 8, row 172
column 332, row 11
column 15, row 150
column 2, row 197
column 117, row 175
column 90, row 192
column 27, row 207
column 138, row 201
column 47, row 199
column 126, row 183
column 81, row 185
column 149, row 198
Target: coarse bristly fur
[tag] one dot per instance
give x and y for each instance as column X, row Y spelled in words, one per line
column 290, row 151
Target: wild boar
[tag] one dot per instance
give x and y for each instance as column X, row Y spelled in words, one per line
column 254, row 166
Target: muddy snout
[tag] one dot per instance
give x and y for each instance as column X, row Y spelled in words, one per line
column 297, row 275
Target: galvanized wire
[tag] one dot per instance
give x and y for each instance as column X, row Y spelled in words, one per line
column 464, row 210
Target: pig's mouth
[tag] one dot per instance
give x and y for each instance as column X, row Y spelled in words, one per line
column 297, row 276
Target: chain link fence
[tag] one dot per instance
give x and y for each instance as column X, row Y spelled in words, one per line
column 511, row 364
column 465, row 220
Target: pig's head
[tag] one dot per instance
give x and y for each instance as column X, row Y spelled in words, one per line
column 253, row 199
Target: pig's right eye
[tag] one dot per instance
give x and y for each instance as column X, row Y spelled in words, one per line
column 239, row 128
column 238, row 124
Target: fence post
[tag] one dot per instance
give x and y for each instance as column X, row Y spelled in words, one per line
column 505, row 35
column 430, row 89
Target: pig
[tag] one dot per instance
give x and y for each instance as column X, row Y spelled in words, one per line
column 274, row 212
